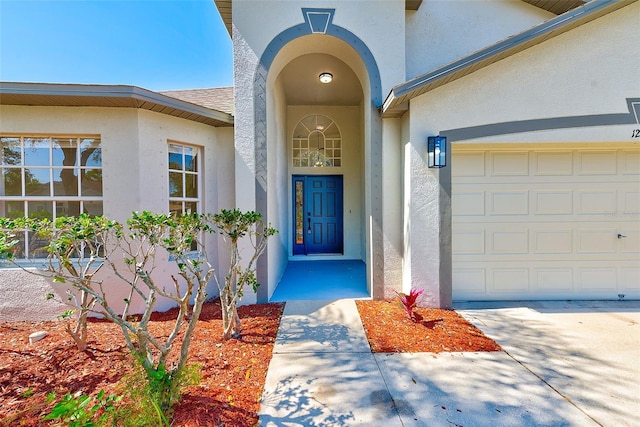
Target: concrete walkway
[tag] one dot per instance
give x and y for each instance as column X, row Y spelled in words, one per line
column 324, row 374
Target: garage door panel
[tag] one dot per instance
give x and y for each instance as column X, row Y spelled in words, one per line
column 630, row 203
column 553, row 202
column 631, row 243
column 471, row 280
column 550, row 280
column 556, row 280
column 505, row 200
column 548, row 241
column 600, row 279
column 509, row 242
column 513, row 202
column 469, row 203
column 470, row 164
column 630, row 278
column 542, row 223
column 553, row 163
column 544, row 241
column 596, row 202
column 597, row 241
column 509, row 279
column 509, row 163
column 470, row 241
column 596, row 162
column 630, row 162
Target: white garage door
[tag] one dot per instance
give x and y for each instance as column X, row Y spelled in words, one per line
column 542, row 222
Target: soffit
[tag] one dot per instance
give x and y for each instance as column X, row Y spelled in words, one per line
column 73, row 95
column 556, row 6
column 396, row 103
column 224, row 8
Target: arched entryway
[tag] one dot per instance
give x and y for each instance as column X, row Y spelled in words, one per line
column 321, row 156
column 287, row 90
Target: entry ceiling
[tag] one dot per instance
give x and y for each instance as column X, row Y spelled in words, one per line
column 302, row 86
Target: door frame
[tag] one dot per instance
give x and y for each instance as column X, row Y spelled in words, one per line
column 298, row 225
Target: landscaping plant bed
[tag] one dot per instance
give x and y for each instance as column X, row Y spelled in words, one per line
column 390, row 330
column 233, row 372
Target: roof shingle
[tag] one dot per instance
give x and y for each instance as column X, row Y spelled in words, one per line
column 218, row 98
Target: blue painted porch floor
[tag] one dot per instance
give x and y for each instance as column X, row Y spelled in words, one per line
column 322, row 280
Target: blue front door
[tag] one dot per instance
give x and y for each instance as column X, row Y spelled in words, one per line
column 317, row 214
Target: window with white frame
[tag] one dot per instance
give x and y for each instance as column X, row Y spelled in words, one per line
column 184, row 178
column 49, row 177
column 316, row 143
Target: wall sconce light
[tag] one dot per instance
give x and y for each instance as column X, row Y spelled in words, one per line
column 437, row 150
column 325, row 77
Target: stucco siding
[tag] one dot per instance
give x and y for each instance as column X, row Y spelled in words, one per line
column 118, row 129
column 260, row 22
column 221, row 195
column 440, row 32
column 392, row 205
column 590, row 70
column 428, row 224
column 223, row 160
column 135, row 169
column 245, row 61
column 278, row 184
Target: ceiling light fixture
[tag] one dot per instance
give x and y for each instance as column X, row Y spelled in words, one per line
column 326, row 77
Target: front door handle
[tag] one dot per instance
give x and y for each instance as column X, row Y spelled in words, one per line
column 621, row 236
column 309, row 222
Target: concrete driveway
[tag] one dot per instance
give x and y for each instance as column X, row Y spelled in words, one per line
column 571, row 364
column 588, row 352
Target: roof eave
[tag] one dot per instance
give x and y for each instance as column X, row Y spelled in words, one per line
column 412, row 4
column 53, row 94
column 225, row 9
column 403, row 93
column 554, row 6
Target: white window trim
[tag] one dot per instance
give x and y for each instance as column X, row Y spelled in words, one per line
column 51, row 199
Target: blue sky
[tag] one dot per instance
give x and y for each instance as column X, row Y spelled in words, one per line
column 154, row 44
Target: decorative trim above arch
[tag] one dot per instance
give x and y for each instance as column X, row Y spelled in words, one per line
column 320, row 21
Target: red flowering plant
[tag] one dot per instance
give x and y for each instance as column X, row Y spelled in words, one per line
column 410, row 303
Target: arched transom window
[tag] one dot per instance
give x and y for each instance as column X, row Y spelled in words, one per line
column 316, row 143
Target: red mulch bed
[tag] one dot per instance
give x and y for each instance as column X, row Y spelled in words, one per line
column 390, row 330
column 233, row 372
